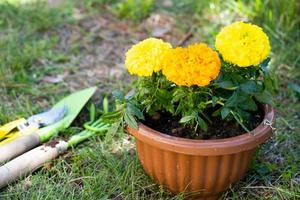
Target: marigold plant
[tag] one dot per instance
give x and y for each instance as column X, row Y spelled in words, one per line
column 195, row 65
column 243, row 44
column 198, row 86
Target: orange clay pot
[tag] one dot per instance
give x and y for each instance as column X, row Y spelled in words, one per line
column 204, row 168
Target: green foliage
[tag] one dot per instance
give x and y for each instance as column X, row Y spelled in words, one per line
column 125, row 111
column 94, row 6
column 241, row 88
column 133, row 9
column 40, row 17
column 189, row 6
column 152, row 93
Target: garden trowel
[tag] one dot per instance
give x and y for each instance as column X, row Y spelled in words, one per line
column 42, row 127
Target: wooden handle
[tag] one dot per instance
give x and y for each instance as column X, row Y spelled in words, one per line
column 26, row 163
column 18, row 146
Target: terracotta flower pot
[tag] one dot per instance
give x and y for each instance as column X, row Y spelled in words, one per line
column 205, row 168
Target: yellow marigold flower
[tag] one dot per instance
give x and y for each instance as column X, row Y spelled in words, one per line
column 146, row 57
column 196, row 64
column 243, row 44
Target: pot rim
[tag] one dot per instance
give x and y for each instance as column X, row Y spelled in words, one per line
column 215, row 147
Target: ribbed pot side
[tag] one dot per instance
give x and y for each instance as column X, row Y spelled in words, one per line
column 203, row 168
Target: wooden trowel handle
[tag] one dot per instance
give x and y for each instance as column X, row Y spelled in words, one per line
column 26, row 163
column 18, row 146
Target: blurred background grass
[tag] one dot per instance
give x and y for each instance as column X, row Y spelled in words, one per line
column 49, row 48
column 24, row 22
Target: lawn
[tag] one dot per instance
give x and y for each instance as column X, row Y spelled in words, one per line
column 50, row 48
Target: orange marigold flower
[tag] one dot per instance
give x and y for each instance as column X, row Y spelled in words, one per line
column 196, row 64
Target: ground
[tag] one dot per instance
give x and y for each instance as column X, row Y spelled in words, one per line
column 51, row 48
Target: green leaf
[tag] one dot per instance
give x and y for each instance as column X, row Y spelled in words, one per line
column 249, row 87
column 130, row 120
column 232, row 101
column 238, row 118
column 112, row 115
column 163, row 96
column 132, row 109
column 248, row 104
column 143, row 91
column 118, row 95
column 130, row 94
column 214, row 101
column 186, row 119
column 224, row 112
column 264, row 97
column 181, row 106
column 202, row 123
column 264, row 65
column 178, row 97
column 244, row 115
column 228, row 85
column 170, row 108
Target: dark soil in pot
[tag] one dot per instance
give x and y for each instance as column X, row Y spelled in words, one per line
column 217, row 129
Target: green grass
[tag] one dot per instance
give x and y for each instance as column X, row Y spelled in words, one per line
column 25, row 39
column 32, row 46
column 22, row 37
